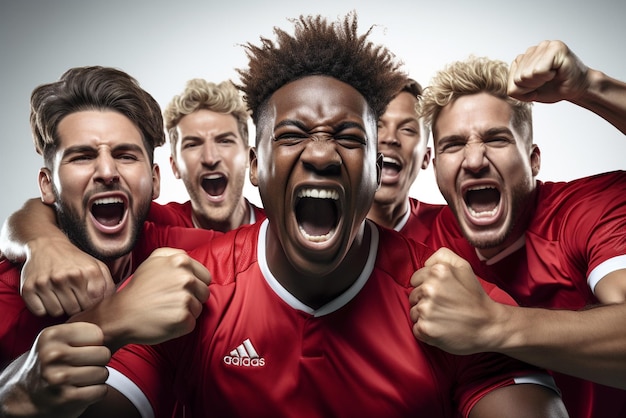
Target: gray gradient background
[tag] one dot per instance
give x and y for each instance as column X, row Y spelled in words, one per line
column 165, row 43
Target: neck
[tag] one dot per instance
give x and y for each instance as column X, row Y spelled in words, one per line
column 387, row 214
column 240, row 216
column 316, row 290
column 120, row 268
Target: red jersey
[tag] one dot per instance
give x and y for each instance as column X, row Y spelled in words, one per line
column 418, row 220
column 180, row 214
column 576, row 236
column 19, row 327
column 258, row 351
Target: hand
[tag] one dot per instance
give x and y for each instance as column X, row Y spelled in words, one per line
column 161, row 301
column 59, row 278
column 547, row 73
column 450, row 309
column 62, row 375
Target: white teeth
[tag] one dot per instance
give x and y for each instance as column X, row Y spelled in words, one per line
column 317, row 238
column 213, row 176
column 480, row 188
column 319, row 194
column 108, row 200
column 390, row 160
column 482, row 214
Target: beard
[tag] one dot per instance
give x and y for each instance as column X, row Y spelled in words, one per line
column 75, row 227
column 514, row 226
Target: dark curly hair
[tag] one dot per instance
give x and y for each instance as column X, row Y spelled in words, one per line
column 321, row 48
column 93, row 88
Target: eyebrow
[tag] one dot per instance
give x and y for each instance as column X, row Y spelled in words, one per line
column 338, row 128
column 78, row 149
column 491, row 132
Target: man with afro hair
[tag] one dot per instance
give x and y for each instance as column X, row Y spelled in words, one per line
column 308, row 313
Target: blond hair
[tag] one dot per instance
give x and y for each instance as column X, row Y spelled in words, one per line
column 200, row 94
column 472, row 76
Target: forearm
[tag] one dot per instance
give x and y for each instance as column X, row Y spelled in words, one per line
column 24, row 227
column 606, row 97
column 590, row 344
column 115, row 328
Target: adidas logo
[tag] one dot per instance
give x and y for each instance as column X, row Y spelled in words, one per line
column 244, row 355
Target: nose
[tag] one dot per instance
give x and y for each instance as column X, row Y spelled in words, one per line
column 210, row 154
column 387, row 136
column 475, row 158
column 106, row 169
column 320, row 155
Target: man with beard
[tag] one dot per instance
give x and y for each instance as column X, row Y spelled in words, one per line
column 96, row 130
column 403, row 142
column 558, row 248
column 208, row 130
column 309, row 309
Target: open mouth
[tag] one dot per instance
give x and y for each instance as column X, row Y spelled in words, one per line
column 108, row 211
column 482, row 201
column 391, row 167
column 317, row 213
column 214, row 184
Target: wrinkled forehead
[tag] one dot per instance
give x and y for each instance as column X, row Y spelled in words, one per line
column 317, row 102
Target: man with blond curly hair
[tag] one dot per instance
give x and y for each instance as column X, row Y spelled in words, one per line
column 207, row 126
column 558, row 248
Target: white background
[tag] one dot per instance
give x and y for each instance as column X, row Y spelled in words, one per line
column 165, row 43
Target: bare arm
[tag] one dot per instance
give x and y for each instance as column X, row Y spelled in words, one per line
column 57, row 277
column 161, row 301
column 32, row 221
column 550, row 72
column 452, row 312
column 114, row 404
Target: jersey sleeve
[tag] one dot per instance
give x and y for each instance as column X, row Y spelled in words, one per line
column 594, row 231
column 481, row 374
column 141, row 373
column 172, row 213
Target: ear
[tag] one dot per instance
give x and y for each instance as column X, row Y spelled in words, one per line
column 46, row 187
column 156, row 181
column 379, row 170
column 254, row 179
column 426, row 159
column 535, row 160
column 174, row 167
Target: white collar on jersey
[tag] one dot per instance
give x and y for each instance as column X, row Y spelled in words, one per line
column 334, row 304
column 521, row 241
column 405, row 217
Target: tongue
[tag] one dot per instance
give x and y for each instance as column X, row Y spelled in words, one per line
column 214, row 187
column 316, row 216
column 108, row 214
column 483, row 200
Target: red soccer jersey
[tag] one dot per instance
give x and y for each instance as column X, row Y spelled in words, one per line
column 179, row 214
column 19, row 327
column 577, row 235
column 258, row 351
column 419, row 219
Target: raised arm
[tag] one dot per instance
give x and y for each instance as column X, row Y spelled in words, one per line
column 550, row 72
column 57, row 277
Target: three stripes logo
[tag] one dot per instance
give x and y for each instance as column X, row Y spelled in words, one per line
column 245, row 356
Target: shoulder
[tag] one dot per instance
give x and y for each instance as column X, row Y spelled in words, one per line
column 398, row 255
column 228, row 254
